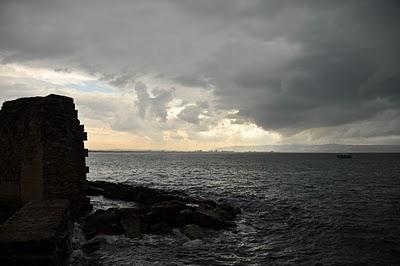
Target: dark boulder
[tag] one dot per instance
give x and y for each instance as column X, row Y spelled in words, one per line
column 101, row 217
column 92, row 245
column 210, row 219
column 161, row 228
column 106, row 222
column 193, row 231
column 127, row 192
column 224, row 213
column 227, row 206
column 94, row 191
column 201, row 201
column 165, row 211
column 132, row 226
column 184, row 217
column 159, row 211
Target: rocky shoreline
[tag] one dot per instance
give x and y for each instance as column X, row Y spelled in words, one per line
column 157, row 212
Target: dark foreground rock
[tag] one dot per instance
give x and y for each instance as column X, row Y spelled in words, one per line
column 139, row 194
column 132, row 226
column 91, row 245
column 108, row 222
column 6, row 212
column 193, row 231
column 158, row 212
column 37, row 234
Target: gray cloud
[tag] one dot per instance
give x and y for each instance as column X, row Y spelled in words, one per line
column 120, row 80
column 153, row 107
column 288, row 66
column 192, row 112
column 345, row 69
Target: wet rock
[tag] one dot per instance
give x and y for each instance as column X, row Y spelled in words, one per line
column 101, row 217
column 193, row 231
column 184, row 217
column 126, row 192
column 193, row 243
column 106, row 229
column 201, row 201
column 92, row 245
column 159, row 211
column 94, row 191
column 209, row 219
column 159, row 228
column 166, row 211
column 132, row 226
column 223, row 213
column 227, row 206
column 106, row 222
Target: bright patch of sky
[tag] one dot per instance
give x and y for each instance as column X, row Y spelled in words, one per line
column 112, row 115
column 90, row 86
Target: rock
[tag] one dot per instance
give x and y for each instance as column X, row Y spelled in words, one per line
column 132, row 226
column 202, row 201
column 101, row 217
column 209, row 219
column 126, row 192
column 227, row 206
column 151, row 196
column 166, row 211
column 159, row 228
column 158, row 213
column 77, row 237
column 127, row 212
column 94, row 191
column 193, row 243
column 106, row 229
column 193, row 231
column 224, row 214
column 184, row 217
column 6, row 212
column 106, row 222
column 92, row 245
column 38, row 234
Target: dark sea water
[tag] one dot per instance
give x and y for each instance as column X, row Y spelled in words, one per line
column 298, row 209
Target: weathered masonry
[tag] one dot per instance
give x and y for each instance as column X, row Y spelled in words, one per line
column 38, row 234
column 42, row 154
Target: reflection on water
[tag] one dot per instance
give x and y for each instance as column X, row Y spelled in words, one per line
column 305, row 209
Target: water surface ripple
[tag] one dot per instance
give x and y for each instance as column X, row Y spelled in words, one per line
column 298, row 209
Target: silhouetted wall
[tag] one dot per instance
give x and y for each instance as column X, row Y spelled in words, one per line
column 42, row 154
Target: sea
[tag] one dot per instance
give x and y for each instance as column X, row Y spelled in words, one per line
column 297, row 208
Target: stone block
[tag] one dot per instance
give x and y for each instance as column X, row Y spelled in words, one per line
column 37, row 234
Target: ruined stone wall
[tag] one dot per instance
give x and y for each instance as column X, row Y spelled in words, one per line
column 42, row 154
column 64, row 168
column 19, row 139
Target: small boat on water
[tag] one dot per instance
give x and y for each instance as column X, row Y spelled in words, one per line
column 344, row 156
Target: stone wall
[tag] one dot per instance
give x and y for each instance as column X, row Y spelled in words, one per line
column 42, row 154
column 37, row 234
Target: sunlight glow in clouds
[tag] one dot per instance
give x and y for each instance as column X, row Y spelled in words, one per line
column 206, row 74
column 102, row 109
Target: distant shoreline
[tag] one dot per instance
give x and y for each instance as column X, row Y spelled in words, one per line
column 280, row 148
column 228, row 152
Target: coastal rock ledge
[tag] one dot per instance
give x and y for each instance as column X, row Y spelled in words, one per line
column 157, row 212
column 38, row 234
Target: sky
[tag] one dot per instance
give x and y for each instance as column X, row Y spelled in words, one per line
column 187, row 75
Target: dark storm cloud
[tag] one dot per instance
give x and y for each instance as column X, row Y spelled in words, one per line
column 346, row 70
column 285, row 65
